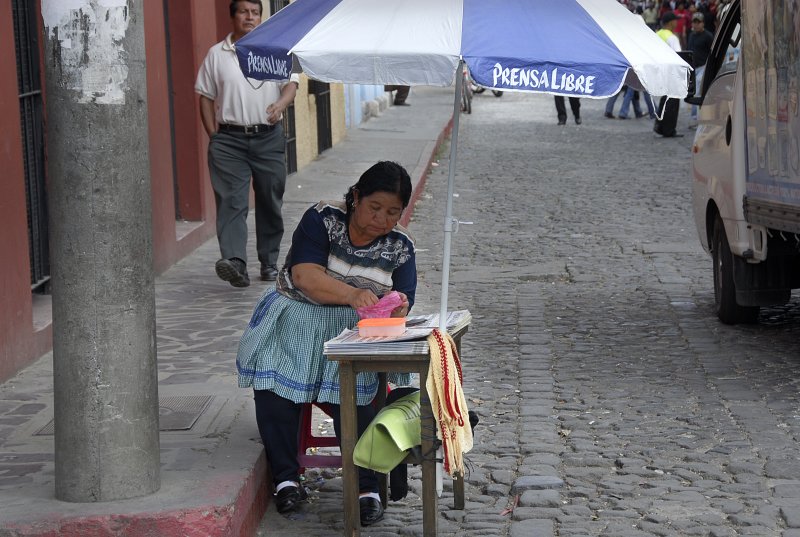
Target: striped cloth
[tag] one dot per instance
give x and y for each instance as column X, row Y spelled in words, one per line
column 281, row 350
column 449, row 406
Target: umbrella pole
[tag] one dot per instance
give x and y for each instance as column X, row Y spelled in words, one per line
column 448, row 232
column 448, row 215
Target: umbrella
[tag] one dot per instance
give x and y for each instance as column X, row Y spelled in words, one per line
column 580, row 48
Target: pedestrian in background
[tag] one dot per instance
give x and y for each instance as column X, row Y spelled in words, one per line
column 632, row 97
column 668, row 108
column 650, row 16
column 246, row 140
column 682, row 22
column 561, row 109
column 609, row 113
column 699, row 43
column 401, row 95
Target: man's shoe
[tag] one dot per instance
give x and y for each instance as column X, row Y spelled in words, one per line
column 578, row 120
column 371, row 510
column 289, row 498
column 233, row 271
column 562, row 121
column 640, row 115
column 609, row 115
column 622, row 117
column 401, row 104
column 269, row 273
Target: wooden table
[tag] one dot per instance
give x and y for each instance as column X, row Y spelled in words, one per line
column 384, row 363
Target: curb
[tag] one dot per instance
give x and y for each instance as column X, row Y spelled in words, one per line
column 419, row 175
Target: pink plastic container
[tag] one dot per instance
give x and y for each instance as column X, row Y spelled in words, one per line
column 382, row 327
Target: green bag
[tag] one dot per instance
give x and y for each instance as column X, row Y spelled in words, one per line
column 395, row 430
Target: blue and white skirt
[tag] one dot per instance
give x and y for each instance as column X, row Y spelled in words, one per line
column 281, row 350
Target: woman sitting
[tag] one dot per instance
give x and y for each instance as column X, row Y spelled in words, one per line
column 343, row 256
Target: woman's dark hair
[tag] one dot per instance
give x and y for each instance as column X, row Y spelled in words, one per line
column 385, row 176
column 234, row 3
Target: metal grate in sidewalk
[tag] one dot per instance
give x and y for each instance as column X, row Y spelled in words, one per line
column 175, row 413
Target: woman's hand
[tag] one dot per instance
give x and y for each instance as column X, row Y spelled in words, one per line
column 358, row 298
column 402, row 309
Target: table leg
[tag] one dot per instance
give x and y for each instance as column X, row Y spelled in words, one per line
column 380, row 402
column 458, row 493
column 347, row 396
column 429, row 498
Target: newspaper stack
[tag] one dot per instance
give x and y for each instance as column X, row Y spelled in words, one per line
column 412, row 341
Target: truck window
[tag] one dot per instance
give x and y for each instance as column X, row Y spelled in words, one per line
column 725, row 50
column 731, row 58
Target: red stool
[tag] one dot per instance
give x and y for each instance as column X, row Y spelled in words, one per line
column 306, row 439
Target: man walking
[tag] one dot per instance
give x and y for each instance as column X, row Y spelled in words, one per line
column 668, row 108
column 699, row 43
column 246, row 139
column 561, row 109
column 401, row 95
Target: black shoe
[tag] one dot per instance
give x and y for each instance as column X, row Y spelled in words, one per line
column 640, row 115
column 289, row 498
column 562, row 121
column 371, row 510
column 578, row 120
column 401, row 104
column 233, row 271
column 609, row 115
column 269, row 273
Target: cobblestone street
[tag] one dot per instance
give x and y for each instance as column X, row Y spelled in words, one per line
column 594, row 357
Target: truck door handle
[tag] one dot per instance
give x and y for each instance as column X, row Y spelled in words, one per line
column 728, row 131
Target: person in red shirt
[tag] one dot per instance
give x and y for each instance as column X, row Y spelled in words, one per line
column 683, row 22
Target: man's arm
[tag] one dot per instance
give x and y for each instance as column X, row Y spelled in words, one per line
column 208, row 115
column 275, row 110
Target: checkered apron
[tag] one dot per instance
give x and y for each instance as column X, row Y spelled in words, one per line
column 281, row 351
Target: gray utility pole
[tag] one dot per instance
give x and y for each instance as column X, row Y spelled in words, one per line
column 104, row 349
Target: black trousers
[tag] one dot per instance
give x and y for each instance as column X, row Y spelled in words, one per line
column 669, row 120
column 279, row 425
column 402, row 93
column 574, row 104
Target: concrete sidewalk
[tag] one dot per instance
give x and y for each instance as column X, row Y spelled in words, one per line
column 213, row 471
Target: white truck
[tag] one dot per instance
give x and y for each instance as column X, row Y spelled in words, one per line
column 746, row 158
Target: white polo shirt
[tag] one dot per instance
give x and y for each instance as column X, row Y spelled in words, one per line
column 237, row 99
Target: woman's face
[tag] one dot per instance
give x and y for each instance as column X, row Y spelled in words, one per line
column 374, row 215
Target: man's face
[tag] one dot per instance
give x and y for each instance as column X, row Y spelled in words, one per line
column 697, row 25
column 246, row 18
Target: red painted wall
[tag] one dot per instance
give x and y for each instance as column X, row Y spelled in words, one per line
column 16, row 322
column 191, row 28
column 194, row 26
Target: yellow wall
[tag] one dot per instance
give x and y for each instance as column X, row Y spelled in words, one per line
column 305, row 120
column 338, row 128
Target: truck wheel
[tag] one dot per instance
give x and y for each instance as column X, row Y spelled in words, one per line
column 728, row 311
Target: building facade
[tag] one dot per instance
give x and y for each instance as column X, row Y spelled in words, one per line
column 178, row 33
